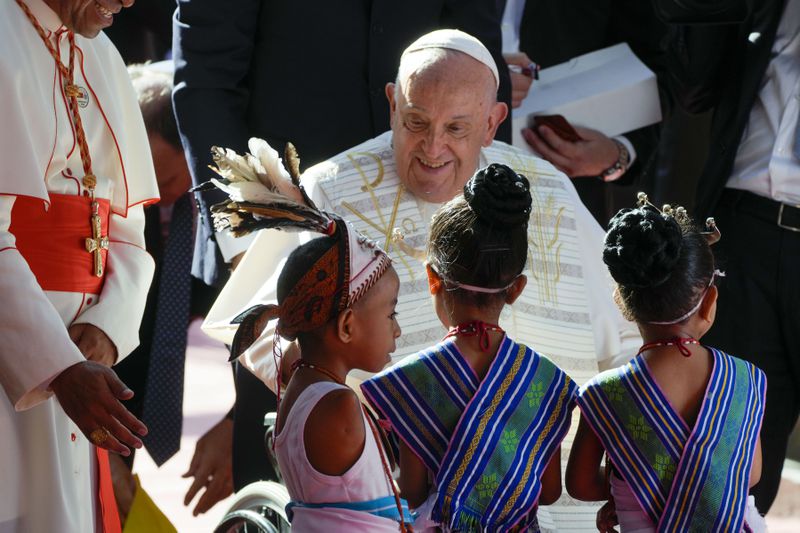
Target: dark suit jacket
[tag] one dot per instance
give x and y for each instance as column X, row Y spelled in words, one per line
column 552, row 32
column 143, row 31
column 312, row 73
column 715, row 65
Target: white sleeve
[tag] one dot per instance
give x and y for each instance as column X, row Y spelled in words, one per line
column 35, row 344
column 129, row 272
column 631, row 155
column 260, row 359
column 230, row 246
column 629, row 146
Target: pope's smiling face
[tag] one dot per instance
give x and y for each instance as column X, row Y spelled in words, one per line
column 441, row 116
column 87, row 17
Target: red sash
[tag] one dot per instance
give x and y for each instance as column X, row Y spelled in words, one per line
column 53, row 241
column 108, row 514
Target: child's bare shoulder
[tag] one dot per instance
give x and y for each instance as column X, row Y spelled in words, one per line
column 339, row 411
column 334, row 433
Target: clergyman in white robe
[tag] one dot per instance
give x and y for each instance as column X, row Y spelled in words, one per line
column 47, row 468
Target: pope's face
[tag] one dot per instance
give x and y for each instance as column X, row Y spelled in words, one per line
column 88, row 17
column 439, row 124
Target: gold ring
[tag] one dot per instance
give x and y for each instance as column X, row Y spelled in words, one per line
column 99, row 436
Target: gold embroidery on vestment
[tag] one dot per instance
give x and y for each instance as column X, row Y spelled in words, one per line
column 383, row 227
column 544, row 247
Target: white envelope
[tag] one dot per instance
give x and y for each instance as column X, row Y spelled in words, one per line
column 609, row 90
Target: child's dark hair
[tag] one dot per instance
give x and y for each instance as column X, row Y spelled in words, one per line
column 661, row 264
column 481, row 238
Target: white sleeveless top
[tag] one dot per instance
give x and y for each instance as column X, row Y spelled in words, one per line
column 365, row 480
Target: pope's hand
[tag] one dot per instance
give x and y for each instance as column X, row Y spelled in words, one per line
column 587, row 157
column 93, row 343
column 212, row 467
column 90, row 395
column 520, row 83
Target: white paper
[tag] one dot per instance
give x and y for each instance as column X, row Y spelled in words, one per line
column 609, row 90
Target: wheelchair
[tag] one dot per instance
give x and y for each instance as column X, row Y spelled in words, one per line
column 259, row 507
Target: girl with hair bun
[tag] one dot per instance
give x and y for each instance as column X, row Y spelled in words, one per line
column 480, row 418
column 679, row 423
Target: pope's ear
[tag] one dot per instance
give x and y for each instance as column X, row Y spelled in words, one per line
column 344, row 325
column 434, row 281
column 497, row 115
column 390, row 89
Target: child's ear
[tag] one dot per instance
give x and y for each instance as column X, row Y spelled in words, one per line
column 434, row 281
column 516, row 288
column 344, row 325
column 708, row 309
column 617, row 297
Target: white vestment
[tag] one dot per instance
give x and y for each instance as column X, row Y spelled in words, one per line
column 566, row 311
column 47, row 467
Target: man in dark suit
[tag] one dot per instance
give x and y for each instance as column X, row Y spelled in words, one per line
column 554, row 32
column 312, row 73
column 743, row 59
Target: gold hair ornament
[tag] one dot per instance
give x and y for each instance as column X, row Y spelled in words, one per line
column 711, row 233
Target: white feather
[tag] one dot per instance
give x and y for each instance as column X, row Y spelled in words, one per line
column 247, row 191
column 277, row 177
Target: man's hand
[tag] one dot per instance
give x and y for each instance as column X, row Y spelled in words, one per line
column 93, row 343
column 90, row 395
column 212, row 467
column 520, row 83
column 587, row 157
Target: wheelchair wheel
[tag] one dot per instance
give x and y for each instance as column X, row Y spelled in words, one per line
column 257, row 508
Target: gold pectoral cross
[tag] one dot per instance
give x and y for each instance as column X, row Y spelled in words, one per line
column 96, row 242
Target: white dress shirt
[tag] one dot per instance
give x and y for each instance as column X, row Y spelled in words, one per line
column 765, row 163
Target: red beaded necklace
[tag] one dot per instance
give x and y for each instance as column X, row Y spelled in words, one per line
column 678, row 342
column 477, row 328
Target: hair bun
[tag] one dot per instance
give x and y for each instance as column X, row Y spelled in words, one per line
column 498, row 195
column 642, row 247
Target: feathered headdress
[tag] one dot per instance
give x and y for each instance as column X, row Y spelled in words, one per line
column 264, row 192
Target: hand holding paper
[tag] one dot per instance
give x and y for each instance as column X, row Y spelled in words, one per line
column 609, row 90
